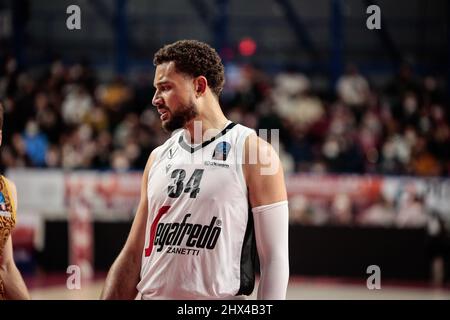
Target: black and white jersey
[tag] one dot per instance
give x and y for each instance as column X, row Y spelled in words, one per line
column 199, row 241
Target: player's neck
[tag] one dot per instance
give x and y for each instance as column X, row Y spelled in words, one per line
column 206, row 125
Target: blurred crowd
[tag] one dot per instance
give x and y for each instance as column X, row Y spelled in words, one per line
column 401, row 128
column 407, row 209
column 64, row 117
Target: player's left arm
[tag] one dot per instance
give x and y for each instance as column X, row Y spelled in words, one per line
column 15, row 288
column 268, row 198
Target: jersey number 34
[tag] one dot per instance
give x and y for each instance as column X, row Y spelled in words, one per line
column 192, row 186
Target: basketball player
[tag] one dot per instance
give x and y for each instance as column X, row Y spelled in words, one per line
column 12, row 285
column 203, row 207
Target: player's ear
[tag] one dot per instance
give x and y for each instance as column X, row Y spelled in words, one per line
column 200, row 85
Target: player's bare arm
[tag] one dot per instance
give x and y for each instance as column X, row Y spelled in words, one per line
column 15, row 288
column 124, row 274
column 268, row 199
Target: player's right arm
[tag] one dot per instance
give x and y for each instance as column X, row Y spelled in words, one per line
column 124, row 274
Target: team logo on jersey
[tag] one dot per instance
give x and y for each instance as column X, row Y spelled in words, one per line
column 3, row 210
column 186, row 238
column 221, row 151
column 172, row 152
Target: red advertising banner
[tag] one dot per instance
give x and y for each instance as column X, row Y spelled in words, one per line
column 108, row 194
column 360, row 189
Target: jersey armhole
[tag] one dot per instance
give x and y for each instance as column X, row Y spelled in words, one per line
column 156, row 153
column 11, row 199
column 240, row 148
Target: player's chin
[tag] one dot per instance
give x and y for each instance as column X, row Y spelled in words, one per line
column 167, row 125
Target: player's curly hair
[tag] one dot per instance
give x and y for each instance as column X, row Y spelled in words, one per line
column 194, row 58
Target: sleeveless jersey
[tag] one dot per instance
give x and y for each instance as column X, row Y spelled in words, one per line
column 7, row 220
column 199, row 241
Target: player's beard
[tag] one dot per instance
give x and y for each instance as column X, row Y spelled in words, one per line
column 180, row 117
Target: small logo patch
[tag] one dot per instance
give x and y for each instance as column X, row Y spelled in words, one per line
column 172, row 153
column 221, row 151
column 2, row 202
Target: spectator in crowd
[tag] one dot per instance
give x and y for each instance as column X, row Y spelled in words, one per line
column 342, row 210
column 380, row 213
column 353, row 90
column 412, row 212
column 36, row 144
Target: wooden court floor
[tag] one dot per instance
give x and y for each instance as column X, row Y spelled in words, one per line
column 299, row 289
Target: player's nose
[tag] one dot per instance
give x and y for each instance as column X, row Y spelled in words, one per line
column 157, row 100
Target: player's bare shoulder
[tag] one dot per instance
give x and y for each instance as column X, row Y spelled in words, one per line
column 263, row 172
column 260, row 157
